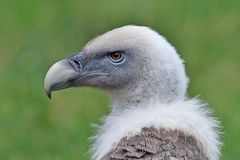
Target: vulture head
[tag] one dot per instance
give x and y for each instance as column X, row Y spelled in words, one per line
column 146, row 80
column 132, row 63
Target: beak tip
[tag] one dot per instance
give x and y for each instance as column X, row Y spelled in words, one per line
column 49, row 95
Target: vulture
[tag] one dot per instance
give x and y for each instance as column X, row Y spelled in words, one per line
column 152, row 117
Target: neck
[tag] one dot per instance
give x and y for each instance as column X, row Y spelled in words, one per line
column 122, row 100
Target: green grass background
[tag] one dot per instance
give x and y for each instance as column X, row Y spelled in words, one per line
column 35, row 34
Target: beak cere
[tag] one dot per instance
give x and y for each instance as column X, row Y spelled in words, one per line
column 61, row 75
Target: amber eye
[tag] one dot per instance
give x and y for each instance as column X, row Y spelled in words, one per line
column 116, row 57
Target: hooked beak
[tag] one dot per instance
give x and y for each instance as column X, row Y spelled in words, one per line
column 62, row 74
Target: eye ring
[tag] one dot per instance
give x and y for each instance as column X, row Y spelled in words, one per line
column 116, row 57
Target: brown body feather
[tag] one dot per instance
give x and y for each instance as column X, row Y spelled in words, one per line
column 157, row 144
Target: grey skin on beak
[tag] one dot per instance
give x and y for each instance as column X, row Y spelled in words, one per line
column 62, row 74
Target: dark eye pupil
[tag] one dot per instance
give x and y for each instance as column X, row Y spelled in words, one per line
column 116, row 56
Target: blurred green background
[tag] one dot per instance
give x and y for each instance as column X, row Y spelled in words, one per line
column 35, row 34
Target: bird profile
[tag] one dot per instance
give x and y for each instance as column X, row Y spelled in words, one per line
column 151, row 115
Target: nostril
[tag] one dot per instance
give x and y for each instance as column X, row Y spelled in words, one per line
column 75, row 64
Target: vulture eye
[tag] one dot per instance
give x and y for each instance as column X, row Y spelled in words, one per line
column 116, row 57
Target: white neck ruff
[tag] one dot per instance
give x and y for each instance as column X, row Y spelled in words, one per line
column 190, row 117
